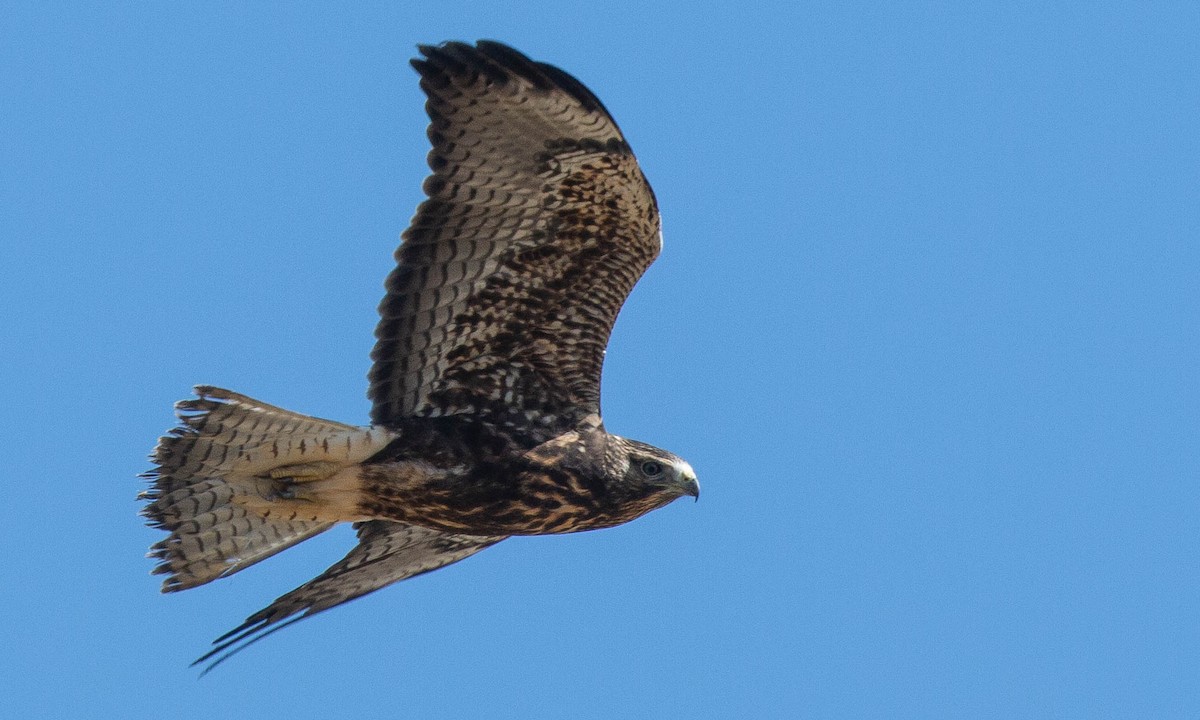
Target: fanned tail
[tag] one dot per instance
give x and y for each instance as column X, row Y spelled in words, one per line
column 214, row 478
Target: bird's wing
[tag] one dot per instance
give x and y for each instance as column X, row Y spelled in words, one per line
column 387, row 552
column 537, row 225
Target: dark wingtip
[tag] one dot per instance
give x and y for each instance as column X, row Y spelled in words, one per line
column 498, row 61
column 240, row 638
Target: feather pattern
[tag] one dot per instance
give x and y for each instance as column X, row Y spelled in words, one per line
column 221, row 451
column 511, row 275
column 387, row 552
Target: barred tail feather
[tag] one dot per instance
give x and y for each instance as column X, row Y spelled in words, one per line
column 213, row 476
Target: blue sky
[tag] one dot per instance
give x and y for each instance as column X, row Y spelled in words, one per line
column 926, row 325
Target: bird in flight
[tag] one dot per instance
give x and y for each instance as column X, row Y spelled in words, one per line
column 485, row 387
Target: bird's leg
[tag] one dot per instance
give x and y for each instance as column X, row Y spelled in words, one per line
column 288, row 478
column 319, row 491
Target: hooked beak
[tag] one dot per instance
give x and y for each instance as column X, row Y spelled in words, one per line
column 688, row 482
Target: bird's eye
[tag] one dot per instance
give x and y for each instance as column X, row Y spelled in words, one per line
column 652, row 468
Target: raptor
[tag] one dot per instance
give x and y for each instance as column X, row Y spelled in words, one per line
column 485, row 387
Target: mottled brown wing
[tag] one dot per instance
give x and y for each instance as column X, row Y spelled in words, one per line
column 537, row 226
column 387, row 552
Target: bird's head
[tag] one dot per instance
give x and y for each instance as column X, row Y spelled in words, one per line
column 651, row 476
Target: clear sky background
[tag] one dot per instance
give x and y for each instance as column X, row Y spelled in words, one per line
column 926, row 325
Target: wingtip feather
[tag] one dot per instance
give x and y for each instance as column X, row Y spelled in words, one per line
column 499, row 62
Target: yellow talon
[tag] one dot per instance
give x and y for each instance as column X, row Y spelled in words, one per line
column 305, row 472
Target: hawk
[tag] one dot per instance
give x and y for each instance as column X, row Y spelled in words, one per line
column 485, row 385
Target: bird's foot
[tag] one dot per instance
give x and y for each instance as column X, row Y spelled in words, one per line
column 287, row 481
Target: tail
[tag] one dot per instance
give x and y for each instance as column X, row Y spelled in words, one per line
column 218, row 474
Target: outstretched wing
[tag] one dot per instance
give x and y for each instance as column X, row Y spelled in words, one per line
column 387, row 552
column 509, row 279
